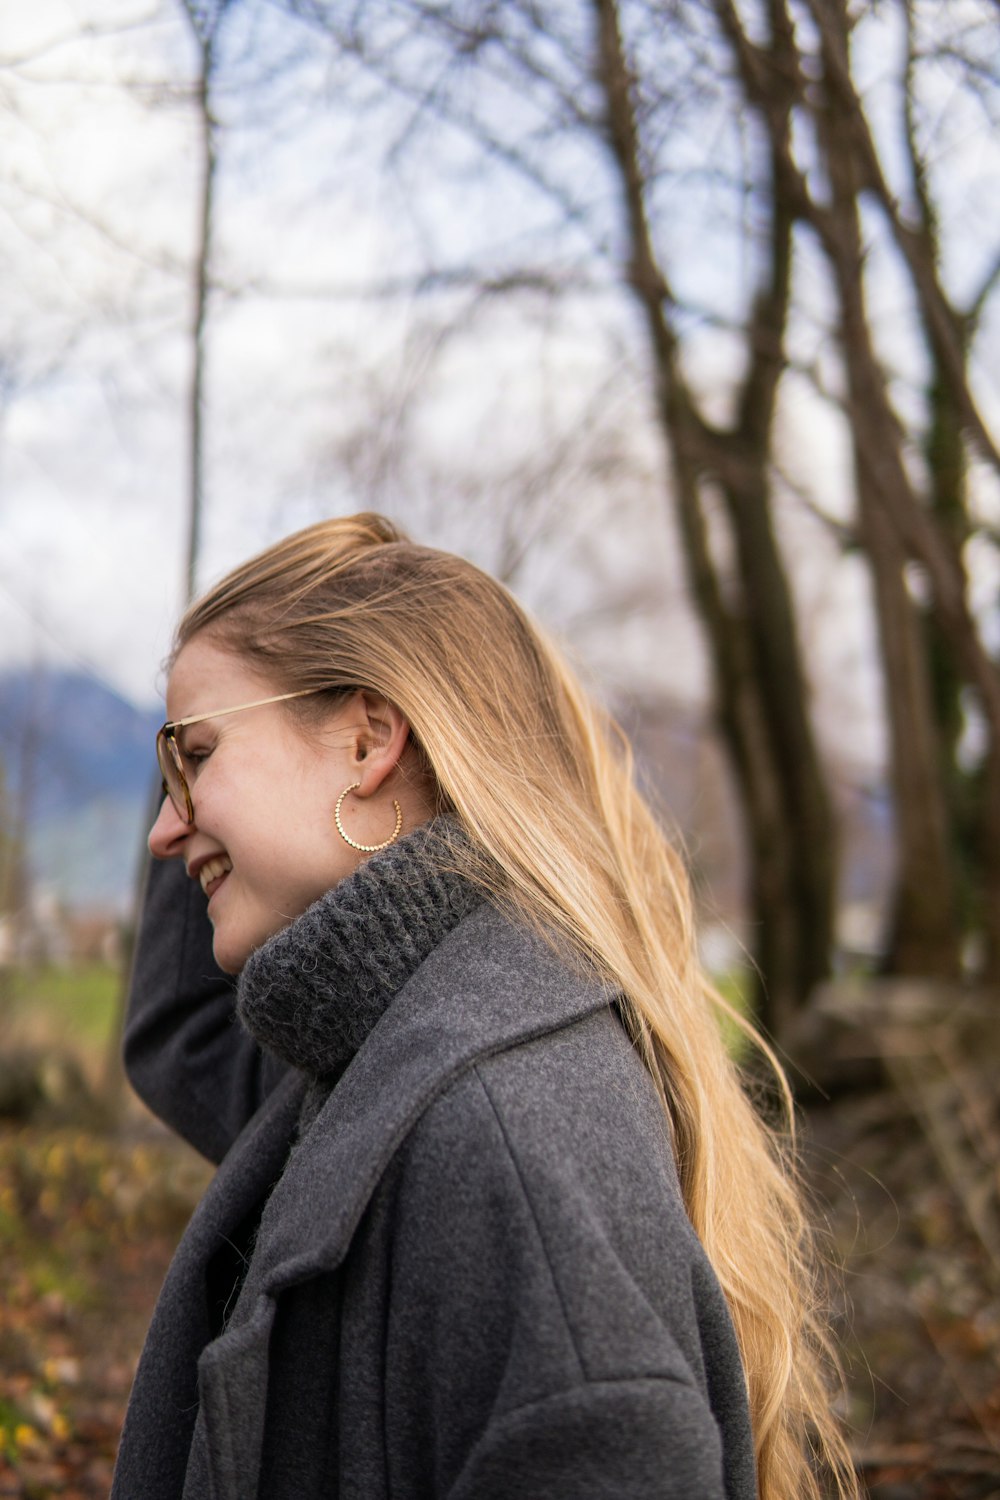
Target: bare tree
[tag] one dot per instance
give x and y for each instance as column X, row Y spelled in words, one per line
column 762, row 693
column 586, row 105
column 205, row 18
column 583, row 84
column 901, row 521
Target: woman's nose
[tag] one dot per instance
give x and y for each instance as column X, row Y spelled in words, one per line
column 167, row 835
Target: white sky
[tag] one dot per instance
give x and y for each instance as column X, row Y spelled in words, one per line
column 97, row 213
column 93, row 463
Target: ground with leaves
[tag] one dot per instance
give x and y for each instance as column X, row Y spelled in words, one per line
column 89, row 1217
column 921, row 1305
column 88, row 1223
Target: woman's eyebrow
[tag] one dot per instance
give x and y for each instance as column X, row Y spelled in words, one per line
column 181, row 734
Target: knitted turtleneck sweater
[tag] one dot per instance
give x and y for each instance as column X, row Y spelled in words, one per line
column 312, row 993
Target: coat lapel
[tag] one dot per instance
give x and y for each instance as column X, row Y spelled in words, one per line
column 165, row 1397
column 481, row 991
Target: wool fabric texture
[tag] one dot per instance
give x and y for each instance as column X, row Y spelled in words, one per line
column 472, row 1278
column 312, row 993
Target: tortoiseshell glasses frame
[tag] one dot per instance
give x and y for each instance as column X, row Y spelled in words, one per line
column 171, row 758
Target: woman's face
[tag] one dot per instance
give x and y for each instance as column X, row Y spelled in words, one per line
column 263, row 844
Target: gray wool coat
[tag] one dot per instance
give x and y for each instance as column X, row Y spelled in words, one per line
column 473, row 1277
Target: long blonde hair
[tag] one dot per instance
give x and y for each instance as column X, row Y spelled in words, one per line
column 543, row 782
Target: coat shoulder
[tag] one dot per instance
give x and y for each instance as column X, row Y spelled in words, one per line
column 543, row 1268
column 548, row 1168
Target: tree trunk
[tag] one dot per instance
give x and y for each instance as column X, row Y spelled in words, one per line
column 761, row 695
column 925, row 934
column 973, row 796
column 776, row 992
column 202, row 286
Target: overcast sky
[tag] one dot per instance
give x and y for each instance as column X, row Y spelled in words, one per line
column 318, row 405
column 97, row 227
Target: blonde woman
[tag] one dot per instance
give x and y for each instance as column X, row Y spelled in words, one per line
column 493, row 1217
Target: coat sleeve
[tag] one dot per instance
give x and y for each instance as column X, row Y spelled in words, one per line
column 185, row 1055
column 614, row 1440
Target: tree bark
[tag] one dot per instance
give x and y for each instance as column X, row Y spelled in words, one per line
column 973, row 797
column 760, row 688
column 202, row 292
column 936, row 311
column 925, row 935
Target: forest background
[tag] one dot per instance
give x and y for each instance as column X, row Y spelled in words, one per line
column 682, row 319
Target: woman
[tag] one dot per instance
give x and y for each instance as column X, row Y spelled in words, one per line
column 493, row 1216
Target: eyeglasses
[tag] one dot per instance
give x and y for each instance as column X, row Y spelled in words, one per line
column 171, row 759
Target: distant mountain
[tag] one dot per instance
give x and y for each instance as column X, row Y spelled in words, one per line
column 78, row 760
column 83, row 759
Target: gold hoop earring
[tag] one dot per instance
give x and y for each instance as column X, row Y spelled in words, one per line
column 366, row 848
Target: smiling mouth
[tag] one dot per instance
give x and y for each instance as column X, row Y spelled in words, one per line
column 212, row 872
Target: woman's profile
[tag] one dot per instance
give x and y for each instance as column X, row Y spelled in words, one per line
column 493, row 1215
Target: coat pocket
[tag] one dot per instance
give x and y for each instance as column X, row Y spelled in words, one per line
column 229, row 1433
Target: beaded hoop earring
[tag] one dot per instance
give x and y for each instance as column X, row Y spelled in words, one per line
column 366, row 848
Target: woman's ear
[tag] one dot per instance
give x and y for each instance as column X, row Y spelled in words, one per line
column 383, row 735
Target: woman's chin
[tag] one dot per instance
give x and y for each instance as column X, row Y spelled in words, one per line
column 229, row 956
column 226, row 964
column 232, row 949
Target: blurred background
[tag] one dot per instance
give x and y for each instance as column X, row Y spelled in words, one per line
column 682, row 319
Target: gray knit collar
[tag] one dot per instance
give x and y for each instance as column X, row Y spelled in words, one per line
column 313, row 992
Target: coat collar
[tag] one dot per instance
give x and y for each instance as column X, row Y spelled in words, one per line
column 489, row 986
column 312, row 993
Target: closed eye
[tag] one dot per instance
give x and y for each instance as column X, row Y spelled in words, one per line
column 194, row 757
